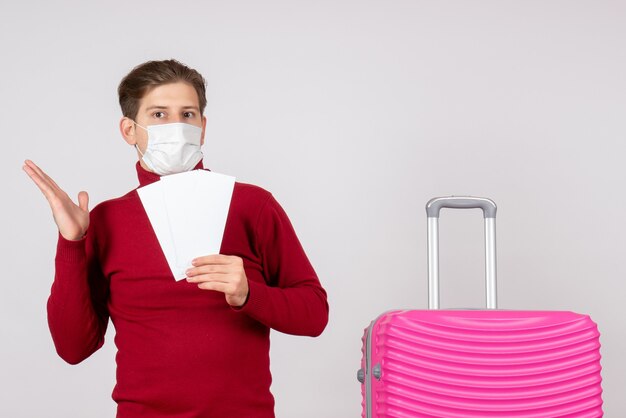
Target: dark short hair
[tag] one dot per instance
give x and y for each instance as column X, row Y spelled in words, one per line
column 148, row 75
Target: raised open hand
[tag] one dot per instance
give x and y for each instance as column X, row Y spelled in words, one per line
column 71, row 219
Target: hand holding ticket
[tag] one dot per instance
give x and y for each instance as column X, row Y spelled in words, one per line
column 188, row 213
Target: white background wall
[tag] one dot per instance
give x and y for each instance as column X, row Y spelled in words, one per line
column 354, row 114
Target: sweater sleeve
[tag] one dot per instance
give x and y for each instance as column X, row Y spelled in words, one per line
column 292, row 300
column 77, row 306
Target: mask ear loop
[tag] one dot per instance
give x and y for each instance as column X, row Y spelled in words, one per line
column 138, row 150
column 145, row 129
column 137, row 146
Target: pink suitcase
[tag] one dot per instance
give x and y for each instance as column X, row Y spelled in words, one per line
column 479, row 363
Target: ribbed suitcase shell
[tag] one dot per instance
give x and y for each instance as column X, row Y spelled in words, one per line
column 482, row 363
column 479, row 363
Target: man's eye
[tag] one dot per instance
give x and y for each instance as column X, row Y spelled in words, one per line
column 188, row 114
column 158, row 115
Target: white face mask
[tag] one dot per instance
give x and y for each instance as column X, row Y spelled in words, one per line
column 172, row 147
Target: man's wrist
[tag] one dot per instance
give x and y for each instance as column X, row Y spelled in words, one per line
column 237, row 307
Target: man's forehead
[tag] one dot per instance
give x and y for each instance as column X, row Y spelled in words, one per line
column 169, row 96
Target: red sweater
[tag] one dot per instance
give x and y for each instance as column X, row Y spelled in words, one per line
column 182, row 351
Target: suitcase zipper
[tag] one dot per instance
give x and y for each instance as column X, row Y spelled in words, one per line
column 368, row 367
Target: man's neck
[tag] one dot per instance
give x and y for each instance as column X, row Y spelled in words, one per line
column 147, row 176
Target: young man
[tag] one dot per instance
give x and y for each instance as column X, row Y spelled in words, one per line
column 192, row 348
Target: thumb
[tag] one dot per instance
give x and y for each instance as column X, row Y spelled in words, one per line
column 83, row 200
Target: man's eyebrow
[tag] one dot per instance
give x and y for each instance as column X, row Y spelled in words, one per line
column 167, row 107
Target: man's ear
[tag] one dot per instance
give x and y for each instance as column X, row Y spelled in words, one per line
column 203, row 130
column 127, row 129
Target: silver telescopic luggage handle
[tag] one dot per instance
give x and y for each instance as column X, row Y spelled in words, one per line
column 461, row 202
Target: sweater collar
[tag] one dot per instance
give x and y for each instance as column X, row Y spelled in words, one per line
column 148, row 177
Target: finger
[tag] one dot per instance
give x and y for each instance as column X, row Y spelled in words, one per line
column 54, row 188
column 212, row 259
column 210, row 268
column 213, row 277
column 83, row 201
column 43, row 174
column 30, row 163
column 218, row 287
column 52, row 182
column 43, row 185
column 35, row 168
